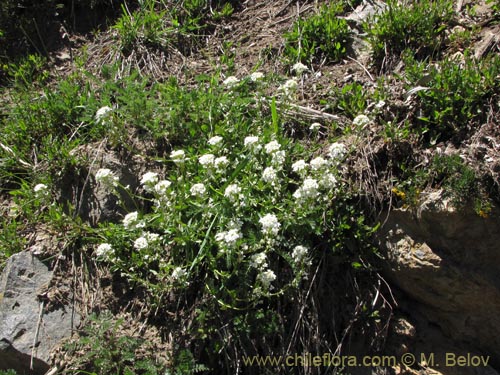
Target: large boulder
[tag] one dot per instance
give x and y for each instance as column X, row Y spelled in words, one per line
column 448, row 260
column 29, row 329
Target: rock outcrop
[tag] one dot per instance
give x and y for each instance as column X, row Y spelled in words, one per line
column 448, row 261
column 29, row 330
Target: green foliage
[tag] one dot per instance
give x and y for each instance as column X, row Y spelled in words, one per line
column 28, row 71
column 104, row 349
column 458, row 180
column 145, row 26
column 456, row 95
column 7, row 372
column 185, row 364
column 415, row 25
column 495, row 5
column 351, row 99
column 320, row 37
column 236, row 217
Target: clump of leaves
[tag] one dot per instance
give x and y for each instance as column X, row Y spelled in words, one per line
column 456, row 95
column 458, row 180
column 320, row 37
column 103, row 348
column 415, row 25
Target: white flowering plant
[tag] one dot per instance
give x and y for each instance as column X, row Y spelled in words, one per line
column 237, row 214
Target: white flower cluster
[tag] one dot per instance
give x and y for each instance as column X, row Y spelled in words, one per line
column 322, row 177
column 300, row 167
column 215, row 140
column 131, row 221
column 308, row 190
column 149, row 180
column 228, row 238
column 106, row 177
column 221, row 163
column 178, row 156
column 272, row 146
column 250, row 141
column 270, row 224
column 299, row 68
column 102, row 113
column 104, row 250
column 231, row 81
column 41, row 190
column 161, row 188
column 256, row 76
column 207, row 160
column 258, row 260
column 198, row 190
column 299, row 254
column 289, row 87
column 337, row 151
column 269, row 175
column 318, row 163
column 179, row 274
column 232, row 192
column 147, row 239
column 266, row 278
column 361, row 121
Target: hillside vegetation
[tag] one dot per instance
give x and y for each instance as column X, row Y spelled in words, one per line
column 212, row 173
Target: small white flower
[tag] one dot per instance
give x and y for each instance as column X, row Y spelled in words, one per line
column 380, row 104
column 106, row 177
column 255, row 76
column 41, row 190
column 229, row 238
column 221, row 162
column 258, row 260
column 308, row 190
column 269, row 175
column 337, row 150
column 310, row 187
column 178, row 156
column 149, row 180
column 299, row 68
column 266, row 278
column 215, row 140
column 250, row 141
column 361, row 121
column 198, row 190
column 278, row 158
column 272, row 146
column 299, row 166
column 231, row 81
column 232, row 192
column 131, row 220
column 328, row 181
column 299, row 253
column 104, row 250
column 270, row 224
column 315, row 126
column 207, row 160
column 178, row 273
column 141, row 243
column 162, row 186
column 318, row 163
column 102, row 113
column 151, row 237
column 289, row 87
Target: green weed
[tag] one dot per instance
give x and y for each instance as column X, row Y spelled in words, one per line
column 323, row 36
column 456, row 96
column 415, row 25
column 105, row 350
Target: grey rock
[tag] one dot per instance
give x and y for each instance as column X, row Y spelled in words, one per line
column 448, row 261
column 27, row 327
